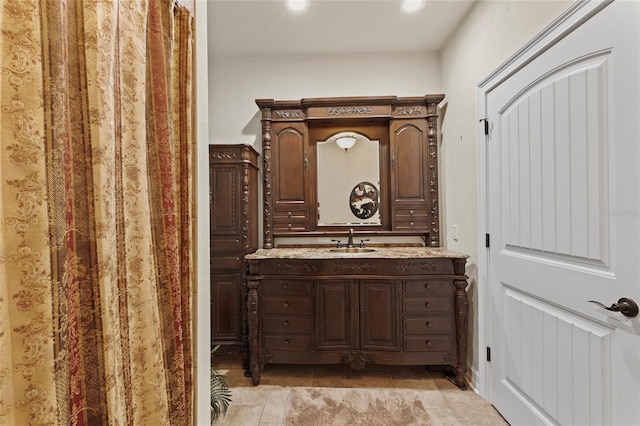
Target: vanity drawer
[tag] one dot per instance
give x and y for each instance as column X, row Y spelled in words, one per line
column 292, row 288
column 417, row 223
column 290, row 225
column 288, row 343
column 411, row 212
column 429, row 343
column 295, row 219
column 290, row 214
column 286, row 325
column 427, row 305
column 286, row 305
column 428, row 287
column 428, row 325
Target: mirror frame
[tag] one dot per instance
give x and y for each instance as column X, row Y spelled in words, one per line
column 360, row 154
column 316, row 119
column 319, row 132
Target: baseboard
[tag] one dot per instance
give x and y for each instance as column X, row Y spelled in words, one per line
column 473, row 379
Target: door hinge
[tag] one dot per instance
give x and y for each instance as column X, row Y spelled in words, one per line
column 487, row 240
column 486, row 126
column 488, row 354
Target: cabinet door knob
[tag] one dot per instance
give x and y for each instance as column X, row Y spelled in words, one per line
column 428, row 342
column 285, row 286
column 286, row 304
column 411, row 224
column 286, row 342
column 427, row 286
column 286, row 323
column 428, row 324
column 427, row 305
column 289, row 214
column 411, row 212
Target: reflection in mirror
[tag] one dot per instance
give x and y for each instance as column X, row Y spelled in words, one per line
column 348, row 181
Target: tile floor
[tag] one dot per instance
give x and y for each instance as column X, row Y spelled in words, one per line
column 265, row 405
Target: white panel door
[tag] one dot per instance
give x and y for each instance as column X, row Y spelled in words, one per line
column 563, row 209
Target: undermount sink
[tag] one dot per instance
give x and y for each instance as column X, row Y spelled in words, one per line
column 352, row 250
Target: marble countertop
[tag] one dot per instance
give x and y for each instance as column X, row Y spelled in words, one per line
column 378, row 253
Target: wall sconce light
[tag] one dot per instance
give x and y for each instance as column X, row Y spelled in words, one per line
column 346, row 142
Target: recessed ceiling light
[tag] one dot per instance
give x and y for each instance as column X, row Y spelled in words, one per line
column 410, row 6
column 297, row 5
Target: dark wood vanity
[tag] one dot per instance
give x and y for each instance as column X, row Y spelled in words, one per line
column 389, row 305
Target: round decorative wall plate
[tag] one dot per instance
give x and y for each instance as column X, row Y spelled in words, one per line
column 364, row 200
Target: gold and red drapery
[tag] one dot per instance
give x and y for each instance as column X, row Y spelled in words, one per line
column 96, row 247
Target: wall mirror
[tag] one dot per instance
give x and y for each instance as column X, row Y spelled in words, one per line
column 348, row 170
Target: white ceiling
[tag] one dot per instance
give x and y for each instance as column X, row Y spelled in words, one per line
column 329, row 27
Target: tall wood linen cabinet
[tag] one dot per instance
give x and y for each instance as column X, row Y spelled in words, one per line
column 233, row 201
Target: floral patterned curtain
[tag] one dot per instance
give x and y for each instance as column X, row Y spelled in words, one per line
column 96, row 206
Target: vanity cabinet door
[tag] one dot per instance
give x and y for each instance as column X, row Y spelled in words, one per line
column 409, row 175
column 336, row 319
column 290, row 173
column 380, row 325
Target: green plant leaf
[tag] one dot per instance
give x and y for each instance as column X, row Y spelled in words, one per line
column 220, row 395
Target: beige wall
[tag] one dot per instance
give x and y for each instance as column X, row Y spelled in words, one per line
column 235, row 83
column 491, row 33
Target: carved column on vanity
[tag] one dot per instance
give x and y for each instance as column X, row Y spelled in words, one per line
column 432, row 162
column 462, row 310
column 266, row 175
column 253, row 307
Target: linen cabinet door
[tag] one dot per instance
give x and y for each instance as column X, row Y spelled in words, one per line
column 336, row 321
column 226, row 308
column 379, row 315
